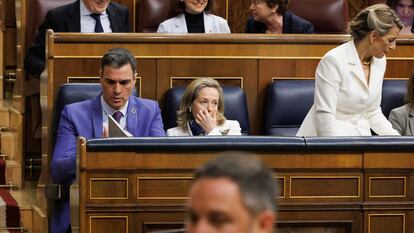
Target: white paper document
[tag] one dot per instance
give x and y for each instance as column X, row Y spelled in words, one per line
column 115, row 130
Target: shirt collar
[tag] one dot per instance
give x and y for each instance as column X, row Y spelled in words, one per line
column 110, row 111
column 85, row 11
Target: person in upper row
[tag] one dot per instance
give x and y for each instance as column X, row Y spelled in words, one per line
column 348, row 82
column 195, row 17
column 273, row 16
column 79, row 16
column 201, row 111
column 402, row 118
column 405, row 11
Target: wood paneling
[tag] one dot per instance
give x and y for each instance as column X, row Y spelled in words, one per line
column 387, row 186
column 385, row 223
column 108, row 188
column 325, row 187
column 163, row 187
column 318, row 192
column 109, row 223
column 238, row 15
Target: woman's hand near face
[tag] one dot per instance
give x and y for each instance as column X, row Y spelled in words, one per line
column 206, row 120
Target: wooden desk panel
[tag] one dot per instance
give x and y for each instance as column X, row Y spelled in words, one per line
column 318, row 192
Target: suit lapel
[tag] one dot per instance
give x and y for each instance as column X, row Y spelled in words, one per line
column 114, row 18
column 97, row 120
column 355, row 66
column 208, row 23
column 133, row 117
column 73, row 19
column 180, row 24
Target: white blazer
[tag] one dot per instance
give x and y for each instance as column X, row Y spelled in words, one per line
column 177, row 24
column 344, row 104
column 229, row 127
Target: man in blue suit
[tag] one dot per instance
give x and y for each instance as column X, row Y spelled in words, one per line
column 89, row 119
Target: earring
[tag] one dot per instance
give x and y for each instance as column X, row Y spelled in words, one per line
column 189, row 109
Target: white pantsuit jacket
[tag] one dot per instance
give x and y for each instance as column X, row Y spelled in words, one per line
column 177, row 24
column 229, row 127
column 344, row 104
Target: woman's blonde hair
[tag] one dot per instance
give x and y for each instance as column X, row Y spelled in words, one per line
column 191, row 93
column 378, row 17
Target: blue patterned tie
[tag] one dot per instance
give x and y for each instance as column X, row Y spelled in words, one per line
column 98, row 25
column 117, row 116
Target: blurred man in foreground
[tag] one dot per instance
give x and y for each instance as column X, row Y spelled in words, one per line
column 232, row 193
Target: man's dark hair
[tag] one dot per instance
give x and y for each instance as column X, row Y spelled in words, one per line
column 118, row 57
column 256, row 184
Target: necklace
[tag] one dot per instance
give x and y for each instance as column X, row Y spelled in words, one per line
column 366, row 63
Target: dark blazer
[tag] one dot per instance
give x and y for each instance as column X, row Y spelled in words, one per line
column 85, row 119
column 292, row 24
column 67, row 19
column 402, row 119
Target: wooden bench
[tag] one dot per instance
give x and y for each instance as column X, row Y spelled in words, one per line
column 348, row 184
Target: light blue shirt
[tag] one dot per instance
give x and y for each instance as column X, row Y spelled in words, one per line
column 107, row 110
column 88, row 23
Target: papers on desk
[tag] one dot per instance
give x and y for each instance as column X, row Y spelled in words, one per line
column 115, row 129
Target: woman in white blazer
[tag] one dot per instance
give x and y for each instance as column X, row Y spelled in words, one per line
column 194, row 17
column 348, row 80
column 201, row 111
column 402, row 118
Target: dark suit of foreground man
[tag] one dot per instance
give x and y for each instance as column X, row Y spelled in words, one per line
column 67, row 18
column 88, row 119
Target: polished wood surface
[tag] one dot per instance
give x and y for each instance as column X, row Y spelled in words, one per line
column 330, row 191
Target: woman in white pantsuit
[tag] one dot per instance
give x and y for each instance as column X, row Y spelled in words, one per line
column 348, row 80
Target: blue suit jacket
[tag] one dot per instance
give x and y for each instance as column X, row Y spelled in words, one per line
column 292, row 24
column 85, row 119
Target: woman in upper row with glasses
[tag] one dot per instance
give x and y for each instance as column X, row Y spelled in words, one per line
column 272, row 16
column 348, row 79
column 194, row 17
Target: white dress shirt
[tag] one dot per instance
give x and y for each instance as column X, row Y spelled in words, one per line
column 88, row 23
column 108, row 111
